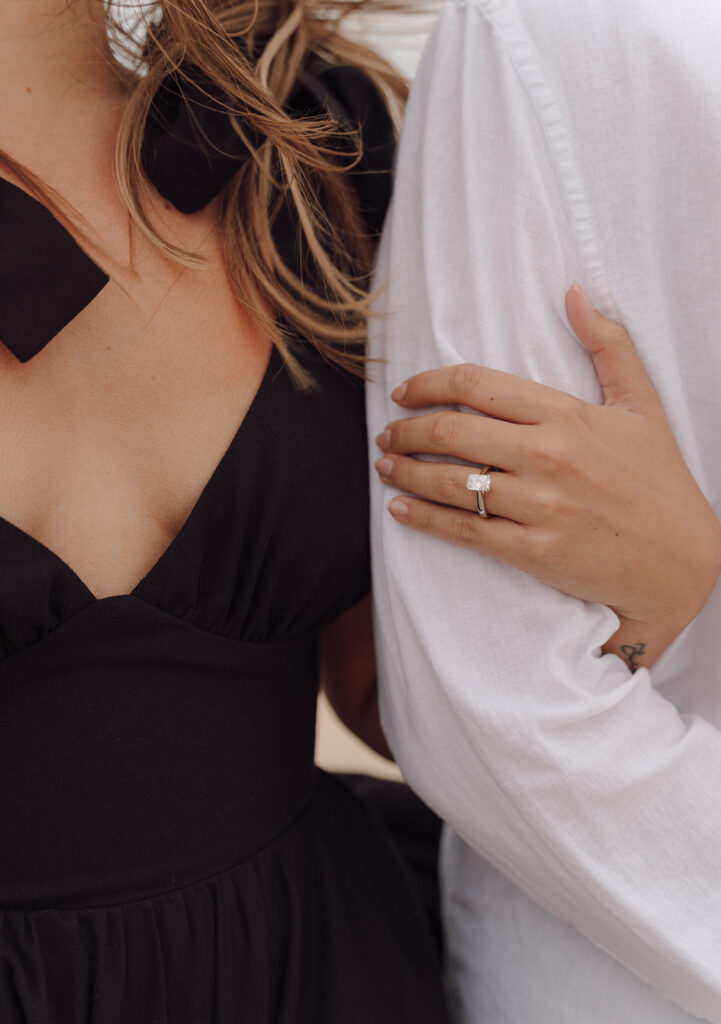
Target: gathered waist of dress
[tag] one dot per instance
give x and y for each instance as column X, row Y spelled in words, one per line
column 139, row 754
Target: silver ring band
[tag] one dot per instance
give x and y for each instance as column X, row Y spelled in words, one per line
column 480, row 482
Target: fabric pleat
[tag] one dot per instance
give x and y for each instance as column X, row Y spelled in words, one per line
column 266, row 940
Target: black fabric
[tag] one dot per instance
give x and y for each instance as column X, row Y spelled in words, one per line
column 416, row 832
column 369, row 118
column 191, row 150
column 45, row 277
column 191, row 153
column 347, row 93
column 169, row 854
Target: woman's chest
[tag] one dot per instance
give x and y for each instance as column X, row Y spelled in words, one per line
column 112, row 431
column 274, row 545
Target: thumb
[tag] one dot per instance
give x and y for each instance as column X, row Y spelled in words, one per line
column 618, row 367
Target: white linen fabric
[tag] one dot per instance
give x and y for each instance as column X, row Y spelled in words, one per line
column 549, row 141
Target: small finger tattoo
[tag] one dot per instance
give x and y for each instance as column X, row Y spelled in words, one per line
column 632, row 652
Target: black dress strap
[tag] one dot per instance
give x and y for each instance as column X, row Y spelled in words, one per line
column 46, row 279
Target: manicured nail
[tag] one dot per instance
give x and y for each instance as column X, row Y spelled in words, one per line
column 399, row 393
column 384, row 466
column 384, row 440
column 582, row 295
column 398, row 508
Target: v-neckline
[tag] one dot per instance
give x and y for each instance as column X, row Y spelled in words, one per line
column 274, row 364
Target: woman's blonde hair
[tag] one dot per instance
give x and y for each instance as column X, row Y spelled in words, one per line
column 251, row 52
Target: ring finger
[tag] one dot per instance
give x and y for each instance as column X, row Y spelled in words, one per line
column 446, row 484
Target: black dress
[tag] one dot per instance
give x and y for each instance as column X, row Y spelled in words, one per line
column 169, row 854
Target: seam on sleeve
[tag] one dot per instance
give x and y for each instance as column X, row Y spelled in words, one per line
column 527, row 64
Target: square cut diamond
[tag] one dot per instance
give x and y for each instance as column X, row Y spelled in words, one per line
column 479, row 482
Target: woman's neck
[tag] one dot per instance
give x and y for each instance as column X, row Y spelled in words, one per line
column 56, row 69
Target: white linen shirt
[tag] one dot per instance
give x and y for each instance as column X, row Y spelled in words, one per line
column 549, row 141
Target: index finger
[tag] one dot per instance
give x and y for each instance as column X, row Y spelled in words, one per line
column 493, row 392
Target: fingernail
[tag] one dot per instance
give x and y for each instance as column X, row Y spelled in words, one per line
column 398, row 507
column 582, row 295
column 399, row 393
column 384, row 466
column 384, row 439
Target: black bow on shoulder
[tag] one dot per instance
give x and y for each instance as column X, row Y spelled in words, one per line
column 191, row 152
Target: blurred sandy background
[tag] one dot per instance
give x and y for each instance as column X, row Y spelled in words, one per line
column 401, row 40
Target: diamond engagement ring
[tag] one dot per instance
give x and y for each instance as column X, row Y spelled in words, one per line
column 480, row 483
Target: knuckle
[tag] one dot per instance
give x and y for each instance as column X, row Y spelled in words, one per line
column 464, row 529
column 466, row 379
column 616, row 334
column 447, row 488
column 423, row 515
column 446, row 426
column 552, row 454
column 542, row 545
column 569, row 409
column 528, row 448
column 546, row 504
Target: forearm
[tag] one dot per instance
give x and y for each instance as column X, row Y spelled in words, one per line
column 365, row 723
column 348, row 675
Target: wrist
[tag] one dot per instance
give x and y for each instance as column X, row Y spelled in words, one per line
column 700, row 575
column 640, row 644
column 678, row 589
